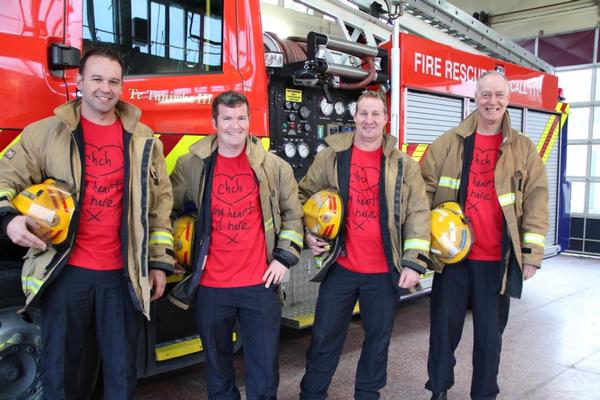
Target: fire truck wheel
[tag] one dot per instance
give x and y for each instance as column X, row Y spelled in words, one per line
column 20, row 354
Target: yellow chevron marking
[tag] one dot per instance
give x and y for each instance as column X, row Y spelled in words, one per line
column 181, row 148
column 419, row 151
column 10, row 145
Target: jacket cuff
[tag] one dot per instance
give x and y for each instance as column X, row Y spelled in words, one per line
column 532, row 256
column 168, row 268
column 6, row 218
column 414, row 266
column 285, row 257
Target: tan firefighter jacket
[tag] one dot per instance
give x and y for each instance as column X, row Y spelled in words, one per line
column 405, row 219
column 521, row 185
column 53, row 148
column 278, row 191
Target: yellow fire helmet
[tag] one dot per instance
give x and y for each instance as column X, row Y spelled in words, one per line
column 323, row 214
column 451, row 233
column 50, row 205
column 183, row 237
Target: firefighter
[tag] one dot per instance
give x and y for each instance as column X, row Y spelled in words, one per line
column 248, row 233
column 99, row 280
column 378, row 256
column 497, row 176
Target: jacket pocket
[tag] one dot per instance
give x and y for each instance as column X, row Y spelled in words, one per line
column 154, row 176
column 403, row 203
column 35, row 270
column 275, row 214
column 519, row 183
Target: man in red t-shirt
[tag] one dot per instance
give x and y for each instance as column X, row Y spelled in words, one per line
column 98, row 282
column 497, row 176
column 247, row 234
column 379, row 255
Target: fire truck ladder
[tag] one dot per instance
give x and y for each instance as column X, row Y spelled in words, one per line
column 436, row 20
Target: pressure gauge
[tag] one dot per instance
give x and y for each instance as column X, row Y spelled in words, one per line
column 339, row 107
column 289, row 149
column 320, row 147
column 304, row 112
column 325, row 106
column 352, row 108
column 303, row 150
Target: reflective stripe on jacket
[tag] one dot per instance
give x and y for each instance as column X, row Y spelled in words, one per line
column 53, row 148
column 521, row 185
column 278, row 191
column 406, row 219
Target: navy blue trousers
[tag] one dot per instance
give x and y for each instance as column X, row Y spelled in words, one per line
column 259, row 312
column 82, row 304
column 338, row 294
column 476, row 284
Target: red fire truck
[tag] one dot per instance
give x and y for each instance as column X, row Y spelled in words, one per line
column 181, row 53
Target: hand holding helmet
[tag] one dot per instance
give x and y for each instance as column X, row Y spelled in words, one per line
column 451, row 234
column 322, row 219
column 183, row 237
column 49, row 207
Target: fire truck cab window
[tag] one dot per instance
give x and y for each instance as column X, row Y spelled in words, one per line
column 158, row 36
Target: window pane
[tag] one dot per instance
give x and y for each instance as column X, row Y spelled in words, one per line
column 213, row 40
column 102, row 29
column 157, row 29
column 598, row 84
column 595, row 161
column 577, row 197
column 576, row 84
column 176, row 33
column 576, row 159
column 594, row 199
column 579, row 123
column 596, row 128
column 166, row 37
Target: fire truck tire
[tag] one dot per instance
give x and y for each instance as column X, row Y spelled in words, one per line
column 21, row 344
column 20, row 354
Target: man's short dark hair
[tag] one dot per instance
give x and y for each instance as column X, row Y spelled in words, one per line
column 228, row 99
column 105, row 52
column 372, row 94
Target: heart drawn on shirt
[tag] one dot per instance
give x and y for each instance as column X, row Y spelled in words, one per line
column 483, row 160
column 106, row 160
column 233, row 189
column 363, row 179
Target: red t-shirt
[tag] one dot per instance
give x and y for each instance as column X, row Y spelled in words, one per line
column 98, row 242
column 237, row 255
column 482, row 205
column 364, row 244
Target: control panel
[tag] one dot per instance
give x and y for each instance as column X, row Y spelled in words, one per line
column 302, row 117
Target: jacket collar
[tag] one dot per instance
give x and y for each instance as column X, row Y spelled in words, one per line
column 70, row 113
column 207, row 146
column 468, row 126
column 344, row 141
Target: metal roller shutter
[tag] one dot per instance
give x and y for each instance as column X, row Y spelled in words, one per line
column 536, row 125
column 428, row 116
column 516, row 118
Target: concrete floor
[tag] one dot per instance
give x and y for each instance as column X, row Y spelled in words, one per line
column 551, row 347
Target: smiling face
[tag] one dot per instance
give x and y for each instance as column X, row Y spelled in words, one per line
column 100, row 85
column 370, row 119
column 232, row 124
column 491, row 97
